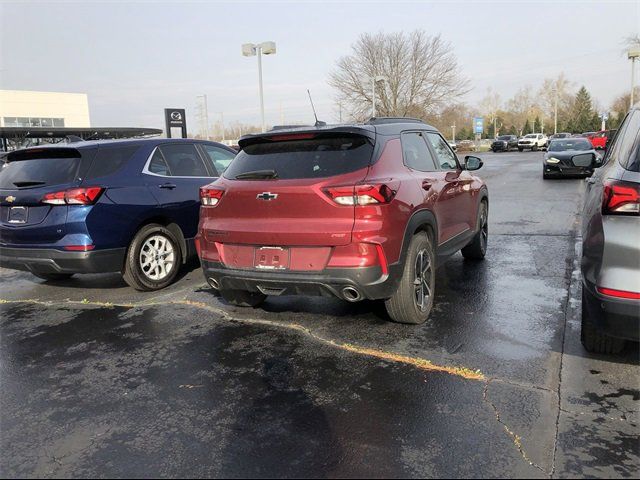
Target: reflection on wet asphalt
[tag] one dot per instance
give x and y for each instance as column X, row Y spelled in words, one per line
column 98, row 380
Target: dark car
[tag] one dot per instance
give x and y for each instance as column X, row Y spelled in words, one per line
column 127, row 206
column 360, row 211
column 611, row 245
column 504, row 143
column 557, row 136
column 569, row 157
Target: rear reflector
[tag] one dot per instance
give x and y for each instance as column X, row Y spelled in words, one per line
column 74, row 196
column 619, row 293
column 621, row 198
column 210, row 196
column 370, row 194
column 79, row 248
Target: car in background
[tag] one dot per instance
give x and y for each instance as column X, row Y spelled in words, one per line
column 570, row 157
column 128, row 206
column 466, row 146
column 610, row 248
column 358, row 211
column 599, row 140
column 556, row 136
column 504, row 143
column 532, row 141
column 453, row 146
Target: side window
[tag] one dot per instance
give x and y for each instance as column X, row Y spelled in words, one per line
column 625, row 139
column 158, row 165
column 220, row 158
column 415, row 152
column 183, row 160
column 109, row 160
column 445, row 156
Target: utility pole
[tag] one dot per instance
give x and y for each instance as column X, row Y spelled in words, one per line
column 555, row 112
column 453, row 132
column 250, row 50
column 204, row 112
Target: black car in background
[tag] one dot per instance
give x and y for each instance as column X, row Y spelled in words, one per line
column 504, row 143
column 557, row 136
column 569, row 157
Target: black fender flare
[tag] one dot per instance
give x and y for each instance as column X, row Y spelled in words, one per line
column 420, row 220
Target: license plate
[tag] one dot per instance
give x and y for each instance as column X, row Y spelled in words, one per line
column 18, row 214
column 271, row 258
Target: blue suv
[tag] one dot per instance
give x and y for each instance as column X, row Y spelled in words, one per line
column 128, row 206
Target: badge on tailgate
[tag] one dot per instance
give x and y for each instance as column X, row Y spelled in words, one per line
column 18, row 215
column 271, row 258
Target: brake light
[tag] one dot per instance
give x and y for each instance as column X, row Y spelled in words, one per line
column 370, row 194
column 74, row 196
column 621, row 198
column 619, row 293
column 210, row 197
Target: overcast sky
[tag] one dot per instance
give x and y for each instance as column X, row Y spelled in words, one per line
column 134, row 59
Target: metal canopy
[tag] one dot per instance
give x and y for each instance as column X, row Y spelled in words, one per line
column 100, row 133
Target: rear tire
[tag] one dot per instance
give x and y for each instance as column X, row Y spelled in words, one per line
column 153, row 259
column 413, row 300
column 243, row 298
column 594, row 340
column 477, row 249
column 53, row 277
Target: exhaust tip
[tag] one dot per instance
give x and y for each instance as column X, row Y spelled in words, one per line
column 350, row 294
column 213, row 283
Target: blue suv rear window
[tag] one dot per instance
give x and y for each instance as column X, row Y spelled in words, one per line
column 109, row 160
column 39, row 168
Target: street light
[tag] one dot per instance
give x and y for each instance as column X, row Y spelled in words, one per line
column 374, row 80
column 251, row 50
column 634, row 52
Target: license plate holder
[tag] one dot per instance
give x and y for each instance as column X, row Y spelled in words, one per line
column 271, row 258
column 18, row 214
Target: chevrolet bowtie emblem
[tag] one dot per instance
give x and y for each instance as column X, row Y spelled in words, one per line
column 10, row 199
column 267, row 196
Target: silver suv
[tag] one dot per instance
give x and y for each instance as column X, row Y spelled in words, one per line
column 611, row 244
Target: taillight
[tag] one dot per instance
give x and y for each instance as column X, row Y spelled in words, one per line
column 619, row 293
column 210, row 197
column 74, row 196
column 369, row 194
column 621, row 198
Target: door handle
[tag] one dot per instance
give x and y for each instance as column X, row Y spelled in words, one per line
column 170, row 186
column 426, row 184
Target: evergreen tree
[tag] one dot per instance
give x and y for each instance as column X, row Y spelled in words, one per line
column 582, row 114
column 512, row 130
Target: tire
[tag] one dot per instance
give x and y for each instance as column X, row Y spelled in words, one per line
column 153, row 259
column 53, row 277
column 477, row 249
column 412, row 302
column 594, row 340
column 534, row 148
column 545, row 176
column 243, row 298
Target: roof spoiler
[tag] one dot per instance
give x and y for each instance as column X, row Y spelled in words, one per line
column 304, row 133
column 43, row 152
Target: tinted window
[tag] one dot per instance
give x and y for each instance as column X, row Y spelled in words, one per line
column 220, row 157
column 37, row 172
column 319, row 157
column 183, row 161
column 109, row 160
column 445, row 156
column 416, row 153
column 625, row 139
column 573, row 144
column 634, row 162
column 158, row 165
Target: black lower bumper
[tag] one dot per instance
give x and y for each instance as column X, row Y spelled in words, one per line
column 367, row 281
column 618, row 318
column 57, row 261
column 564, row 170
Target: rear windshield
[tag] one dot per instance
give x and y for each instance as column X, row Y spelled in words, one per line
column 504, row 137
column 38, row 172
column 563, row 145
column 309, row 158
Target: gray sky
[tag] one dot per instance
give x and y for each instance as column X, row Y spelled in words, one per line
column 136, row 58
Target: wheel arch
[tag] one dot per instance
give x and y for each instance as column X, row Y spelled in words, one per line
column 420, row 221
column 170, row 225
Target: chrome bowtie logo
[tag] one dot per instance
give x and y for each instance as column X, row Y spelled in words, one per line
column 10, row 199
column 267, row 196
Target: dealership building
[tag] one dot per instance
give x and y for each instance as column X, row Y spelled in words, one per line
column 21, row 108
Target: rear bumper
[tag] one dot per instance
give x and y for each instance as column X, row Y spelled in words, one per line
column 368, row 281
column 618, row 318
column 55, row 261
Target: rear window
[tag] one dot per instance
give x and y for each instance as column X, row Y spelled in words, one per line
column 40, row 170
column 109, row 160
column 309, row 158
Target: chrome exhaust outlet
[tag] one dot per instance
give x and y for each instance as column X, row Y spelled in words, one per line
column 213, row 283
column 350, row 294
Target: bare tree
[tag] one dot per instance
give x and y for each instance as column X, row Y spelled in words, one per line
column 556, row 98
column 489, row 106
column 422, row 75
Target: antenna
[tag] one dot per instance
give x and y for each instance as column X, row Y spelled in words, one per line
column 318, row 122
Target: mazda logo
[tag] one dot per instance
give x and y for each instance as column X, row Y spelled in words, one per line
column 176, row 116
column 267, row 196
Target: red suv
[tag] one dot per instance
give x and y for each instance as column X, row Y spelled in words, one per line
column 363, row 211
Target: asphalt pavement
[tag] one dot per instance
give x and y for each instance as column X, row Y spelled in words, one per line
column 98, row 380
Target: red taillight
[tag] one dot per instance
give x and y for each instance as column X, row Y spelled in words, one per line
column 369, row 194
column 74, row 196
column 621, row 198
column 210, row 197
column 619, row 293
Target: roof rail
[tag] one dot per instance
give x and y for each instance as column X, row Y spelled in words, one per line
column 383, row 120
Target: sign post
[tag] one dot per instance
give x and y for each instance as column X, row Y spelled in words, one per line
column 478, row 126
column 604, row 116
column 175, row 118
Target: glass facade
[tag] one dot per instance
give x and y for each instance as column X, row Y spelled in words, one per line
column 32, row 122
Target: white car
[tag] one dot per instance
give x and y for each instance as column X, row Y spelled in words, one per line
column 534, row 141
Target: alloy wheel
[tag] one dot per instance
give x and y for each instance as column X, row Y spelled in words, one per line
column 157, row 257
column 423, row 281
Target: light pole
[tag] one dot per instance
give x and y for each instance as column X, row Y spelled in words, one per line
column 205, row 113
column 251, row 50
column 634, row 52
column 453, row 133
column 374, row 80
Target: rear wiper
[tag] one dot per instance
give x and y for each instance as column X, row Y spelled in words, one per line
column 34, row 183
column 260, row 174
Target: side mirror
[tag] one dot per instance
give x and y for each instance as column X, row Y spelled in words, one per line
column 472, row 163
column 597, row 161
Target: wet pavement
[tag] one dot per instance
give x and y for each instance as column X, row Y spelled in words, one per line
column 100, row 380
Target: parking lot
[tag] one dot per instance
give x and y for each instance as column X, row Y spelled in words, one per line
column 101, row 380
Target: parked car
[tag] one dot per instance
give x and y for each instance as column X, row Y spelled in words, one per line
column 610, row 246
column 360, row 211
column 127, row 206
column 557, row 136
column 504, row 143
column 599, row 140
column 570, row 157
column 532, row 141
column 453, row 146
column 466, row 146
